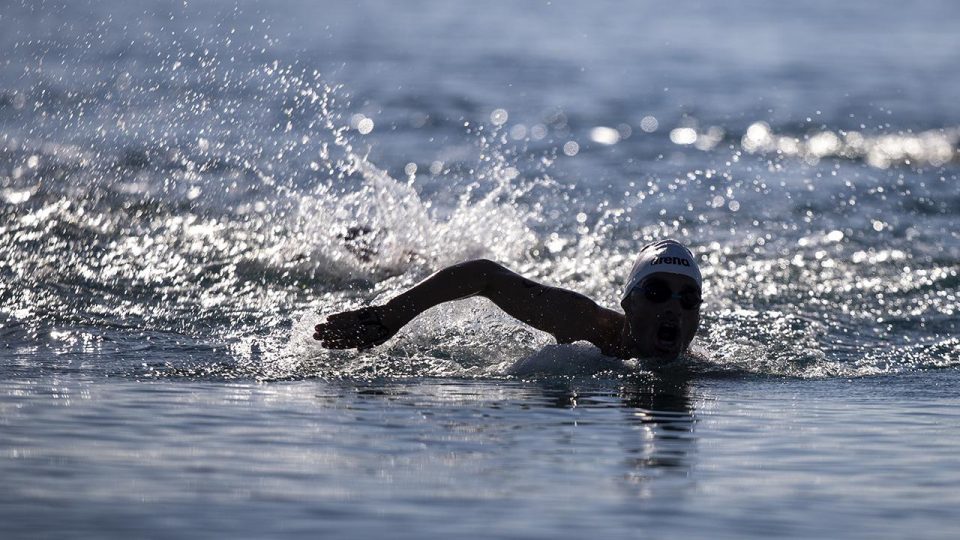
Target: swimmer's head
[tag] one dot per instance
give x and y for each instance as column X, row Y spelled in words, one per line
column 665, row 256
column 662, row 300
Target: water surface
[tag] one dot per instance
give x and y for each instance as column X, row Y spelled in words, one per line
column 185, row 189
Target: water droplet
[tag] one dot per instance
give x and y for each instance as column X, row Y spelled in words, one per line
column 365, row 126
column 499, row 117
column 649, row 124
column 604, row 135
column 517, row 132
column 683, row 136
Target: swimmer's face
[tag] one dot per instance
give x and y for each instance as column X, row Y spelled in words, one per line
column 662, row 316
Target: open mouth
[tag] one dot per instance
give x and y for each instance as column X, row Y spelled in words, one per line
column 668, row 334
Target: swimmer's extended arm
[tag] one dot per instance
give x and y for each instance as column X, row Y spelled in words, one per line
column 568, row 315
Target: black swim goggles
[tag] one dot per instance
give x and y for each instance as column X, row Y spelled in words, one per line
column 658, row 291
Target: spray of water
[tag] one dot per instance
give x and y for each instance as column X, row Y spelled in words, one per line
column 205, row 216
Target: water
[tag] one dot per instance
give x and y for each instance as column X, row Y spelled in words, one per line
column 185, row 189
column 720, row 458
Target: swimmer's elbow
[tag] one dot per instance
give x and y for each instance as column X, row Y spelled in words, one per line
column 484, row 266
column 487, row 278
column 493, row 277
column 486, row 271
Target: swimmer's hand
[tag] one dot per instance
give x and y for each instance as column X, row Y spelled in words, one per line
column 358, row 329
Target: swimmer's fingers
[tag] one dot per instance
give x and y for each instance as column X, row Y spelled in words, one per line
column 337, row 325
column 347, row 316
column 341, row 336
column 362, row 315
column 362, row 328
column 348, row 319
column 336, row 330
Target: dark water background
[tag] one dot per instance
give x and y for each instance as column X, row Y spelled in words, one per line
column 186, row 188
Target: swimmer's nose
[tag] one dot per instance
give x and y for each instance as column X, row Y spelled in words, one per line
column 669, row 315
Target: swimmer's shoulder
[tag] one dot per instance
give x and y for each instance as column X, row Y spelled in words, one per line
column 609, row 327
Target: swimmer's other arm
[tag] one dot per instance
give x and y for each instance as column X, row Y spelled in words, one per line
column 567, row 315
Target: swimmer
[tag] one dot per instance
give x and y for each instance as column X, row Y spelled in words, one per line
column 661, row 305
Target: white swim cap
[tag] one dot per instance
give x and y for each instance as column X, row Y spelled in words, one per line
column 667, row 256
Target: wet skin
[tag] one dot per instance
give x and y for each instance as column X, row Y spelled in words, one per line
column 647, row 329
column 660, row 329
